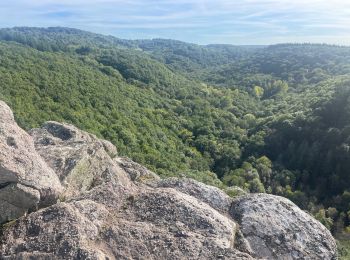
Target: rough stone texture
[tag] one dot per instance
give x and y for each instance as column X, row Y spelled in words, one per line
column 213, row 196
column 57, row 232
column 275, row 228
column 114, row 208
column 20, row 164
column 136, row 171
column 81, row 160
column 16, row 200
column 87, row 230
column 183, row 215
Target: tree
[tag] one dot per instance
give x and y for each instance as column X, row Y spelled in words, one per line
column 258, row 92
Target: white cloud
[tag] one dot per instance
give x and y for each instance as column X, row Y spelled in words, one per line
column 225, row 20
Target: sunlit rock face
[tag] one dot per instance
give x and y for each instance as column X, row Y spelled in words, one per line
column 26, row 182
column 277, row 229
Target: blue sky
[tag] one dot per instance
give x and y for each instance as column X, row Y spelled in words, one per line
column 198, row 21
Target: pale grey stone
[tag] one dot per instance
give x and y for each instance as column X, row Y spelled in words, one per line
column 22, row 171
column 277, row 229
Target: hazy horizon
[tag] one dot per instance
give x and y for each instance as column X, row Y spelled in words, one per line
column 247, row 22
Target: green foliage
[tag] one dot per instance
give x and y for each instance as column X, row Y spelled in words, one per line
column 343, row 249
column 326, row 221
column 274, row 88
column 153, row 115
column 270, row 119
column 246, row 176
column 258, row 91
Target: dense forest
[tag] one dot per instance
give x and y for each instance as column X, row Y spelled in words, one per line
column 272, row 119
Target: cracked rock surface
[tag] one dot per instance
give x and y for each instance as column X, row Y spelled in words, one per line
column 213, row 196
column 25, row 180
column 110, row 207
column 277, row 229
column 80, row 160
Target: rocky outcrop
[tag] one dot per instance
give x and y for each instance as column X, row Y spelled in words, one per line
column 80, row 160
column 25, row 180
column 137, row 172
column 113, row 208
column 89, row 230
column 213, row 196
column 16, row 200
column 277, row 229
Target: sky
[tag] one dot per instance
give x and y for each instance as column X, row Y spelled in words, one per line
column 239, row 22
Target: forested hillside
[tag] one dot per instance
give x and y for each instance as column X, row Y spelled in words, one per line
column 272, row 119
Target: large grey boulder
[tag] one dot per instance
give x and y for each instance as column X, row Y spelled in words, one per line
column 25, row 179
column 213, row 196
column 183, row 215
column 137, row 172
column 57, row 232
column 16, row 200
column 180, row 228
column 81, row 160
column 276, row 228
